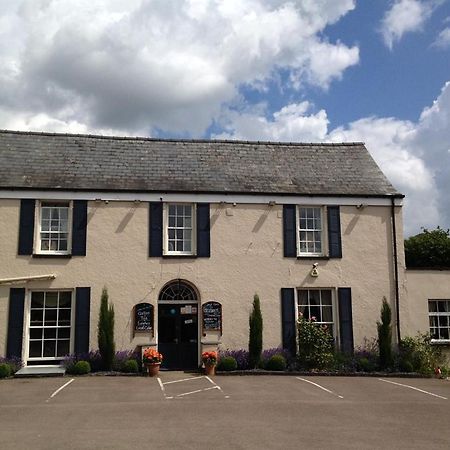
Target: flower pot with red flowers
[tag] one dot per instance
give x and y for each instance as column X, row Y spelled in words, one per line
column 209, row 360
column 152, row 361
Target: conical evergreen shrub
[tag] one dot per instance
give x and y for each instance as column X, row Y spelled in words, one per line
column 255, row 342
column 106, row 343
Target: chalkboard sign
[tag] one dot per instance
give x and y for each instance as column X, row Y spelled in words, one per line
column 143, row 317
column 212, row 316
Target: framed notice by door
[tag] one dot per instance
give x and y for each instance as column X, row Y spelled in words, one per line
column 212, row 317
column 143, row 318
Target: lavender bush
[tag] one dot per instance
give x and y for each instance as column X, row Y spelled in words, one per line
column 95, row 360
column 267, row 354
column 241, row 357
column 14, row 362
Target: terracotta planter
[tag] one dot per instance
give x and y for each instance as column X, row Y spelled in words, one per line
column 152, row 369
column 210, row 369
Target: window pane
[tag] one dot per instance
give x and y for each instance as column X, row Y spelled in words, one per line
column 302, row 213
column 63, row 245
column 179, row 246
column 64, row 317
column 36, row 317
column 49, row 348
column 63, row 333
column 179, row 222
column 444, row 333
column 171, row 234
column 35, row 349
column 302, row 297
column 314, row 297
column 188, row 222
column 63, row 348
column 35, row 333
column 49, row 333
column 187, row 246
column 327, row 314
column 432, row 307
column 54, row 213
column 172, row 210
column 37, row 300
column 65, row 299
column 45, row 213
column 179, row 209
column 179, row 234
column 50, row 317
column 64, row 213
column 443, row 321
column 442, row 306
column 171, row 221
column 51, row 300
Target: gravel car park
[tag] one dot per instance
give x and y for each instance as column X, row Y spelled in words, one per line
column 179, row 410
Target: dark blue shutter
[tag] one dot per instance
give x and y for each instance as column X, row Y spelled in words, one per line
column 156, row 229
column 289, row 231
column 203, row 230
column 15, row 322
column 334, row 232
column 26, row 227
column 82, row 319
column 288, row 323
column 79, row 227
column 345, row 319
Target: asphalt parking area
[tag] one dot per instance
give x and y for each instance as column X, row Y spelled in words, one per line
column 181, row 410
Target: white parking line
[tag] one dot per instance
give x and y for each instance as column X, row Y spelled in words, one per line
column 414, row 388
column 60, row 389
column 218, row 387
column 184, row 379
column 320, row 387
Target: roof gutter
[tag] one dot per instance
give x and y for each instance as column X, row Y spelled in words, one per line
column 17, row 280
column 397, row 293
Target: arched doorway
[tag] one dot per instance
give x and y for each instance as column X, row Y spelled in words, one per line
column 178, row 325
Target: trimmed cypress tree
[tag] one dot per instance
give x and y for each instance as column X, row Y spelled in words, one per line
column 385, row 336
column 255, row 336
column 106, row 343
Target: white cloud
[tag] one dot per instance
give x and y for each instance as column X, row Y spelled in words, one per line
column 415, row 156
column 291, row 123
column 143, row 64
column 443, row 39
column 405, row 16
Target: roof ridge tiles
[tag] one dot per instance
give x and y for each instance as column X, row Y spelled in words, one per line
column 183, row 140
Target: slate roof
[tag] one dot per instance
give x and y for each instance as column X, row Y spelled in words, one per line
column 31, row 160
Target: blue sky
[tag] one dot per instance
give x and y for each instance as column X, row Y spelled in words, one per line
column 376, row 71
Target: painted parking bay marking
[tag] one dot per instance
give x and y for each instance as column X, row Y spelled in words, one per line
column 184, row 394
column 320, row 387
column 60, row 389
column 414, row 388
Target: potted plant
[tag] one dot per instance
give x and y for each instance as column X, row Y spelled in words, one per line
column 209, row 360
column 152, row 361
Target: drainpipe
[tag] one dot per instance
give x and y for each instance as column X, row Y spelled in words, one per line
column 397, row 294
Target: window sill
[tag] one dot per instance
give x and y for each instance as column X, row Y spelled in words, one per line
column 435, row 342
column 179, row 256
column 51, row 255
column 313, row 257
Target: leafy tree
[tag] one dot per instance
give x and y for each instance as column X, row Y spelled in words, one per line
column 428, row 249
column 255, row 342
column 106, row 343
column 385, row 336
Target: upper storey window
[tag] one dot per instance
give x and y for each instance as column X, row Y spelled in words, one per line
column 310, row 231
column 54, row 228
column 180, row 229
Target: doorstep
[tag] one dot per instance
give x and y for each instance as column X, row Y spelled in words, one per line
column 40, row 371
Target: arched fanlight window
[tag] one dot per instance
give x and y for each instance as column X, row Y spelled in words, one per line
column 178, row 290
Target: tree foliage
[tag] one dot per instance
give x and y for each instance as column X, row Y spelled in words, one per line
column 385, row 336
column 255, row 342
column 428, row 249
column 106, row 345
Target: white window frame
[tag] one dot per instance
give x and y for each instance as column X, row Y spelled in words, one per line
column 38, row 231
column 323, row 231
column 438, row 314
column 334, row 309
column 27, row 357
column 166, row 250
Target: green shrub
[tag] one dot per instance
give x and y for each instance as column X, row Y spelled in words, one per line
column 421, row 354
column 80, row 368
column 5, row 370
column 227, row 363
column 255, row 342
column 130, row 366
column 406, row 366
column 105, row 335
column 315, row 345
column 276, row 362
column 385, row 336
column 365, row 365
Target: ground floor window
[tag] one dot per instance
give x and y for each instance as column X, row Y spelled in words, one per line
column 317, row 305
column 439, row 314
column 50, row 325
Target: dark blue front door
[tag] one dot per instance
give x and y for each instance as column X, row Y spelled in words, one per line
column 178, row 335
